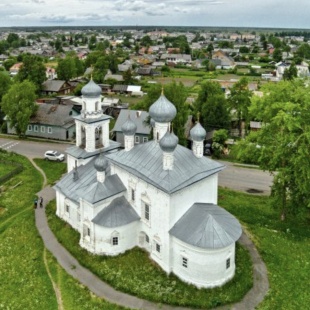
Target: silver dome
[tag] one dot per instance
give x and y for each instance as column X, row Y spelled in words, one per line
column 168, row 142
column 162, row 110
column 129, row 128
column 198, row 133
column 91, row 89
column 101, row 163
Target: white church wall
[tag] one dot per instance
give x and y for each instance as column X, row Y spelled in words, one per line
column 68, row 211
column 101, row 240
column 204, row 191
column 157, row 226
column 205, row 267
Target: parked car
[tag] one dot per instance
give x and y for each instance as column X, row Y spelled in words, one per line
column 54, row 155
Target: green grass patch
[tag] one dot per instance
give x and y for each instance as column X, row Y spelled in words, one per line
column 5, row 168
column 74, row 295
column 284, row 247
column 52, row 169
column 134, row 273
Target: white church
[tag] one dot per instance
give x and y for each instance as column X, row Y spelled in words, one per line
column 158, row 195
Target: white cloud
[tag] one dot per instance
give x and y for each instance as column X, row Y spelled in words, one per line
column 254, row 13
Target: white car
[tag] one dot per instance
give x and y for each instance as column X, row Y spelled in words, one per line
column 54, row 155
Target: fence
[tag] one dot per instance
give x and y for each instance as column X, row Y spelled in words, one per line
column 19, row 168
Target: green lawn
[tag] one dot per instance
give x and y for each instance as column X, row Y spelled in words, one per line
column 53, row 169
column 5, row 169
column 284, row 247
column 24, row 281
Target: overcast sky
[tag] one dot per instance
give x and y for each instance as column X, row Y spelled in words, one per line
column 234, row 13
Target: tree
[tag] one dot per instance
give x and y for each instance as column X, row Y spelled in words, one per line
column 212, row 106
column 284, row 142
column 19, row 105
column 277, row 55
column 290, row 73
column 5, row 83
column 66, row 69
column 239, row 101
column 33, row 70
column 127, row 76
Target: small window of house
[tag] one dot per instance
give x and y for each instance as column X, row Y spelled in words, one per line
column 49, row 130
column 145, row 139
column 29, row 127
column 35, row 128
column 137, row 139
column 42, row 129
column 227, row 263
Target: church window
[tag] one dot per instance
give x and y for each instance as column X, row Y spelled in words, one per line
column 157, row 247
column 227, row 263
column 115, row 241
column 132, row 194
column 184, row 262
column 137, row 139
column 147, row 212
column 67, row 208
column 88, row 231
column 147, row 239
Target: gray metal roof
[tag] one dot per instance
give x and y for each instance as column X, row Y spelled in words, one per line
column 207, row 226
column 87, row 187
column 54, row 85
column 98, row 191
column 138, row 117
column 146, row 162
column 80, row 153
column 118, row 213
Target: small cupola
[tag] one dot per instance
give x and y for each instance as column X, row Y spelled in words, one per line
column 168, row 144
column 198, row 135
column 101, row 165
column 129, row 129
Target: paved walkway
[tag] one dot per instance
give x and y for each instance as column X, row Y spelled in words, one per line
column 103, row 290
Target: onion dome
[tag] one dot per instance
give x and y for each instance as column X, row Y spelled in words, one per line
column 152, row 123
column 129, row 128
column 198, row 133
column 168, row 142
column 162, row 110
column 101, row 163
column 91, row 89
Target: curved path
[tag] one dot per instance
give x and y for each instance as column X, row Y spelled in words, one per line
column 103, row 290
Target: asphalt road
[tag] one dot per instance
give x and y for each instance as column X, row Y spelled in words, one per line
column 234, row 177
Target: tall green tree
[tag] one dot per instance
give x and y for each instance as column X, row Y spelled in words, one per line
column 291, row 72
column 33, row 69
column 212, row 106
column 284, row 142
column 239, row 101
column 19, row 105
column 66, row 69
column 5, row 83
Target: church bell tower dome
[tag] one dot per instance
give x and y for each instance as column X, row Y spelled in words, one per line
column 91, row 89
column 198, row 133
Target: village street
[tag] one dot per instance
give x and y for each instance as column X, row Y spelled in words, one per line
column 245, row 179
